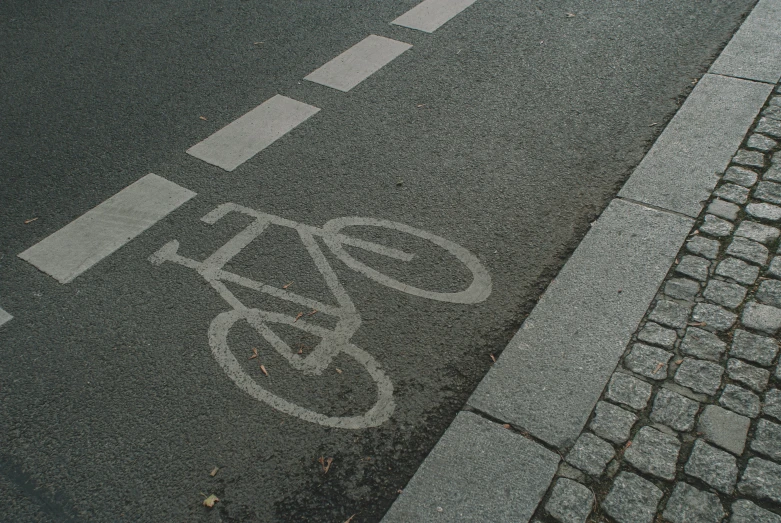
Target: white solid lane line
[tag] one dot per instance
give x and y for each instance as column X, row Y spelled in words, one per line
column 246, row 136
column 99, row 232
column 5, row 317
column 430, row 15
column 358, row 63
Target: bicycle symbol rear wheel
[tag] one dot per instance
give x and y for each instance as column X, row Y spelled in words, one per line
column 478, row 290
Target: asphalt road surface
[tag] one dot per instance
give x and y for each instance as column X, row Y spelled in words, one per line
column 495, row 139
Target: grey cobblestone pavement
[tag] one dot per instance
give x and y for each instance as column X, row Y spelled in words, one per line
column 688, row 429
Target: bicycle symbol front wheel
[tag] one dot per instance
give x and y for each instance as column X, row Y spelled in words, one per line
column 378, row 414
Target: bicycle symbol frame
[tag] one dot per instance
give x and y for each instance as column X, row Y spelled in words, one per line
column 333, row 342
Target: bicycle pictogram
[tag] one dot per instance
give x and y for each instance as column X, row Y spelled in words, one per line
column 333, row 342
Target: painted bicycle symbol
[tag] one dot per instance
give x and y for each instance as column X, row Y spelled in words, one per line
column 333, row 342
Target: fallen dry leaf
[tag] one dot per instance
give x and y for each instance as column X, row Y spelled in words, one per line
column 325, row 463
column 287, row 285
column 506, row 425
column 254, row 353
column 298, row 317
column 263, row 370
column 493, row 358
column 697, row 324
column 658, row 368
column 314, row 311
column 678, row 362
column 350, row 519
column 210, row 501
column 570, row 15
column 339, row 371
column 202, row 117
column 214, row 471
column 651, row 125
column 31, row 220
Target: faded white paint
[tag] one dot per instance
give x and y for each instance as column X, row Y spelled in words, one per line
column 430, row 15
column 333, row 342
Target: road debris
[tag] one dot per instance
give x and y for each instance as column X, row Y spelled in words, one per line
column 287, row 285
column 210, row 501
column 31, row 220
column 254, row 353
column 263, row 370
column 214, row 471
column 325, row 463
column 300, row 314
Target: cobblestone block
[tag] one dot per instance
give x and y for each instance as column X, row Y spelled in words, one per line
column 732, row 193
column 727, row 210
column 699, row 376
column 767, row 439
column 713, row 316
column 751, row 347
column 570, row 502
column 758, row 232
column 715, row 467
column 682, row 288
column 772, row 111
column 753, row 377
column 763, row 318
column 761, row 142
column 730, row 295
column 717, row 227
column 657, row 335
column 628, row 390
column 724, row 428
column 769, row 127
column 670, row 314
column 738, row 270
column 737, row 399
column 775, row 267
column 749, row 158
column 688, row 504
column 703, row 247
column 702, row 344
column 654, row 453
column 748, row 250
column 694, row 267
column 761, row 480
column 648, row 361
column 590, row 454
column 774, row 173
column 740, row 176
column 769, row 293
column 772, row 405
column 632, row 499
column 764, row 211
column 674, row 410
column 768, row 192
column 612, row 423
column 744, row 511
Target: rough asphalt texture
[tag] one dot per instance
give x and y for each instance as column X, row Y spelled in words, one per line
column 507, row 131
column 688, row 429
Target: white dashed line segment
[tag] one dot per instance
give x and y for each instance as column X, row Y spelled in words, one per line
column 5, row 317
column 99, row 232
column 246, row 136
column 430, row 15
column 358, row 63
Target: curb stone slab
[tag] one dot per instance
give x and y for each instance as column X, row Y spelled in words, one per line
column 478, row 471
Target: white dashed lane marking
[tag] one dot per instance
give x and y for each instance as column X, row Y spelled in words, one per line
column 430, row 15
column 5, row 317
column 358, row 63
column 101, row 231
column 245, row 137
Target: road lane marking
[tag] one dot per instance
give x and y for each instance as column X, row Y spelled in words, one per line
column 99, row 232
column 430, row 15
column 358, row 63
column 5, row 317
column 245, row 137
